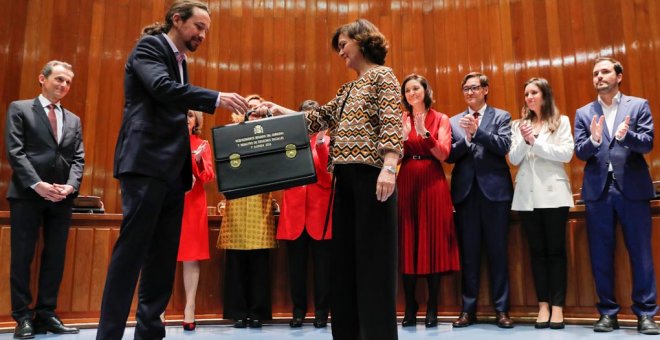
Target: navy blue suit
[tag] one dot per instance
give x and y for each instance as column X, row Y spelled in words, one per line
column 625, row 195
column 154, row 168
column 482, row 191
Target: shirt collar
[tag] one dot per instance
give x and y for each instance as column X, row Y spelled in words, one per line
column 482, row 110
column 45, row 102
column 179, row 56
column 615, row 100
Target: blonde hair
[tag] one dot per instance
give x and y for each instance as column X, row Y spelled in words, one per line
column 199, row 122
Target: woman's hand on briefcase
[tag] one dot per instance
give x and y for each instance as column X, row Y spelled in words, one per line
column 270, row 107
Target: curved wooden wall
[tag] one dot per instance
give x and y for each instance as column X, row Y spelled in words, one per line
column 280, row 49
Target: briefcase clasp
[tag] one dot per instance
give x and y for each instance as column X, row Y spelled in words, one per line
column 235, row 160
column 290, row 150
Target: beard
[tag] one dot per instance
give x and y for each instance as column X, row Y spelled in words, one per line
column 191, row 45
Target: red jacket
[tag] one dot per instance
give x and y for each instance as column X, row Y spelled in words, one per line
column 306, row 206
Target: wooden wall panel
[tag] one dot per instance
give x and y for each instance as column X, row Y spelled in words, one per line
column 281, row 49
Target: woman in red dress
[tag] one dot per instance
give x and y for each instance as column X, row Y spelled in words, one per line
column 427, row 238
column 194, row 242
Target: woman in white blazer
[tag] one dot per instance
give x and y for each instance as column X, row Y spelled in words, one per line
column 541, row 143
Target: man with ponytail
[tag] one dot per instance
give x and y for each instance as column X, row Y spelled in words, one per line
column 153, row 165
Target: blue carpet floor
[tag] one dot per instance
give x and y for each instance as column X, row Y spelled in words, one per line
column 443, row 331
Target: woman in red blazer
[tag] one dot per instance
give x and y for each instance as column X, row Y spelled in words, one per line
column 301, row 224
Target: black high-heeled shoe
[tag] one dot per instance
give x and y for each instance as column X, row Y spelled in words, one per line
column 557, row 325
column 542, row 325
column 410, row 317
column 431, row 319
column 409, row 321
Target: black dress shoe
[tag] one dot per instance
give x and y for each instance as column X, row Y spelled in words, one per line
column 254, row 323
column 321, row 322
column 24, row 330
column 431, row 321
column 240, row 323
column 464, row 320
column 52, row 324
column 503, row 320
column 296, row 323
column 606, row 323
column 646, row 325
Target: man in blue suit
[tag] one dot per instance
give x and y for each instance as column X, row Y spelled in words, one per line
column 153, row 165
column 611, row 134
column 482, row 191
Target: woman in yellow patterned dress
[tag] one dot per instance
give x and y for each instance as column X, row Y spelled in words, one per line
column 247, row 233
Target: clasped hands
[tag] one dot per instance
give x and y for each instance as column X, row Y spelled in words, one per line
column 53, row 192
column 597, row 125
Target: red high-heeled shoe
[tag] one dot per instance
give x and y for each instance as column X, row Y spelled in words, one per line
column 189, row 326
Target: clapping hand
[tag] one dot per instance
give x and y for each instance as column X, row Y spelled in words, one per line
column 623, row 128
column 406, row 127
column 527, row 132
column 419, row 124
column 469, row 125
column 596, row 128
column 200, row 149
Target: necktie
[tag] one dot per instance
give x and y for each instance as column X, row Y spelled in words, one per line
column 52, row 119
column 476, row 116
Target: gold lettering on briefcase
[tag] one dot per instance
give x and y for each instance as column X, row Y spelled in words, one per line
column 235, row 160
column 258, row 129
column 291, row 151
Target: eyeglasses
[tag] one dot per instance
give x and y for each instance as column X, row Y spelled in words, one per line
column 473, row 88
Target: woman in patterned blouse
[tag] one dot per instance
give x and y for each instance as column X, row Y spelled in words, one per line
column 364, row 123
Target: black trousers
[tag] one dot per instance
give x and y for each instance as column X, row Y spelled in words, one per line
column 146, row 248
column 26, row 216
column 483, row 224
column 546, row 235
column 247, row 285
column 364, row 257
column 298, row 250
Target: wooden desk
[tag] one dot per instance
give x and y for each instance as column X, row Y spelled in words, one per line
column 92, row 236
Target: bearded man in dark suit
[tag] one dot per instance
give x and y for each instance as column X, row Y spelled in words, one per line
column 153, row 165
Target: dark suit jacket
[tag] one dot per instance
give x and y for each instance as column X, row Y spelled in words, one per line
column 33, row 153
column 484, row 158
column 153, row 138
column 630, row 168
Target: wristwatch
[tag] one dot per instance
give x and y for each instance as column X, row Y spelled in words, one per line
column 390, row 169
column 426, row 135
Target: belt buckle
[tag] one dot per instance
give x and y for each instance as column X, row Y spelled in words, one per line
column 416, row 157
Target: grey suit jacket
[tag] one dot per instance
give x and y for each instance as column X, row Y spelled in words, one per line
column 33, row 153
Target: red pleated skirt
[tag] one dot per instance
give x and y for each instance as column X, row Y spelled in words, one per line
column 427, row 237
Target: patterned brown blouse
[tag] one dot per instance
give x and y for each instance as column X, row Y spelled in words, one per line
column 370, row 124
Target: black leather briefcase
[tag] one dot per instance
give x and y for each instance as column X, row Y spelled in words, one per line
column 262, row 155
